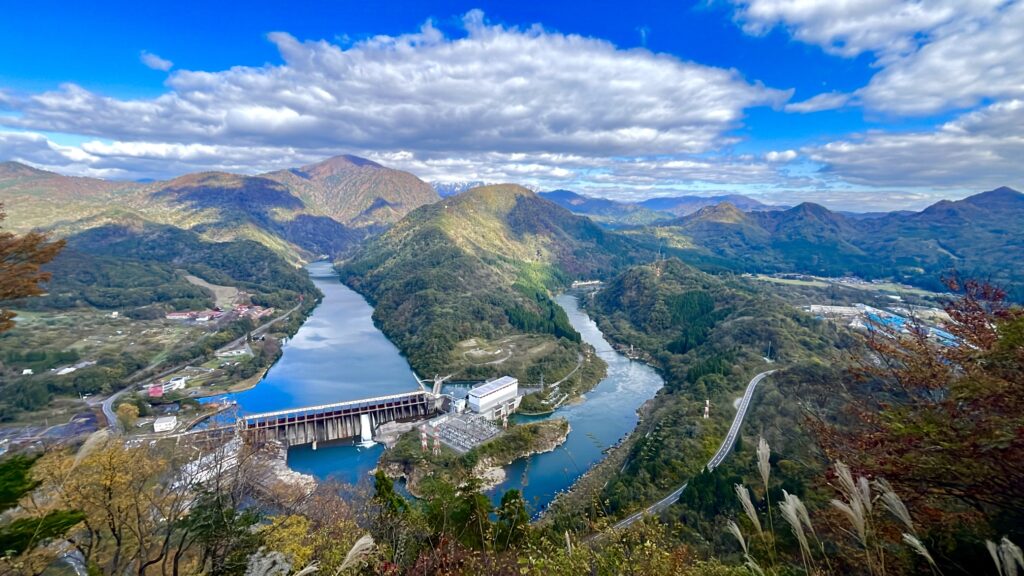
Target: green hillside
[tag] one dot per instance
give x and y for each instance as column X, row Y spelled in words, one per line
column 454, row 279
column 356, row 191
column 707, row 336
column 326, row 208
column 974, row 237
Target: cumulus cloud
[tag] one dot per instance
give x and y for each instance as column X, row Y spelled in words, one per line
column 974, row 61
column 155, row 62
column 933, row 55
column 979, row 149
column 781, row 156
column 497, row 88
column 887, row 27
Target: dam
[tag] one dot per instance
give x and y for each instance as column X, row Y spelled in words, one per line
column 338, row 421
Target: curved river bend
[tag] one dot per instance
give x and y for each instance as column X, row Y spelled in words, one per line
column 338, row 354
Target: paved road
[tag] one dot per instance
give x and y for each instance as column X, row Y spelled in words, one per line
column 108, row 404
column 723, row 451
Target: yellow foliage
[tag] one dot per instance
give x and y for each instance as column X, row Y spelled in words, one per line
column 290, row 535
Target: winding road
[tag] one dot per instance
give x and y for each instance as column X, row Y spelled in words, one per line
column 723, row 451
column 108, row 403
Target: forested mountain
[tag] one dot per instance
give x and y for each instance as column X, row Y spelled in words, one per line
column 653, row 210
column 136, row 264
column 683, row 205
column 319, row 209
column 480, row 265
column 355, row 191
column 975, row 237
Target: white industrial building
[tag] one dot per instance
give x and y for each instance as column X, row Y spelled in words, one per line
column 495, row 399
column 165, row 423
column 174, row 384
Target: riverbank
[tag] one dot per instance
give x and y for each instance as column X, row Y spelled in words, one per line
column 588, row 488
column 589, row 371
column 485, row 463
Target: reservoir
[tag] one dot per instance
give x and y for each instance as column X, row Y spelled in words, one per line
column 338, row 354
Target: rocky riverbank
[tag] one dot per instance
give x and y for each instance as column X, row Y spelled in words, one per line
column 274, row 461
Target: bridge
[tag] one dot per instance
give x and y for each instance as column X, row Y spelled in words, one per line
column 352, row 419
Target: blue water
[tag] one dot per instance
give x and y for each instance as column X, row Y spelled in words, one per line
column 606, row 414
column 339, row 355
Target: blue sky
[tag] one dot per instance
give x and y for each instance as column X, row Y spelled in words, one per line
column 908, row 101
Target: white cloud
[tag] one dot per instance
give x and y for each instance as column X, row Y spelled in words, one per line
column 155, row 62
column 933, row 55
column 966, row 64
column 499, row 89
column 850, row 27
column 781, row 156
column 981, row 149
column 824, row 101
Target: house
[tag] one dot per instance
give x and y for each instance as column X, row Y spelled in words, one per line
column 495, row 399
column 179, row 315
column 26, row 372
column 165, row 423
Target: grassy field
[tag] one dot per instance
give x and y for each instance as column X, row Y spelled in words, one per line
column 883, row 287
column 92, row 333
column 224, row 295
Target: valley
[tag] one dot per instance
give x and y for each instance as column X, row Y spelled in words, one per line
column 417, row 288
column 467, row 289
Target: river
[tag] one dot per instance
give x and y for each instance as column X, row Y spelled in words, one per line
column 602, row 418
column 338, row 354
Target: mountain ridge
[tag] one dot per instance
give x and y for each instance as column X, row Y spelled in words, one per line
column 972, row 237
column 480, row 266
column 324, row 208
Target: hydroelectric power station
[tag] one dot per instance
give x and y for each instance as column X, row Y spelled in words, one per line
column 339, row 421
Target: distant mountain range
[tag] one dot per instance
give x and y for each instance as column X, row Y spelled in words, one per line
column 301, row 213
column 615, row 213
column 331, row 207
column 978, row 237
column 447, row 189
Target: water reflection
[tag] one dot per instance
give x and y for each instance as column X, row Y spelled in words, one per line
column 339, row 354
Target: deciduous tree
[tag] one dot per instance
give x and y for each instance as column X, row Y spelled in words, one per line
column 20, row 260
column 944, row 418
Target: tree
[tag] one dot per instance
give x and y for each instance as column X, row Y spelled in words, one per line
column 290, row 535
column 513, row 521
column 945, row 419
column 20, row 259
column 127, row 414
